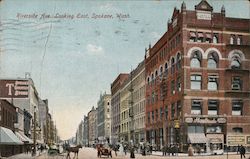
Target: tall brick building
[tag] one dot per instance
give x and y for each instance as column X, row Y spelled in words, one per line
column 197, row 81
column 115, row 106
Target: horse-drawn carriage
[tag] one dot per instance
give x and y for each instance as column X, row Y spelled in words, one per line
column 103, row 150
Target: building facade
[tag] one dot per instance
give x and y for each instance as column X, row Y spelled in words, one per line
column 115, row 107
column 138, row 104
column 10, row 144
column 85, row 131
column 197, row 78
column 92, row 115
column 104, row 118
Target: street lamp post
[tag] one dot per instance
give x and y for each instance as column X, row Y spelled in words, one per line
column 34, row 132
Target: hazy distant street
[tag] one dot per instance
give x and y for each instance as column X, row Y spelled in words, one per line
column 90, row 153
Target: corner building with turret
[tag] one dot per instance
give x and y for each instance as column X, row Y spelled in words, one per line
column 197, row 81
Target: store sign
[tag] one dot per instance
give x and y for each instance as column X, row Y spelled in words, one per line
column 235, row 140
column 203, row 120
column 14, row 88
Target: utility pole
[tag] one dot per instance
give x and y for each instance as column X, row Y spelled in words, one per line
column 34, row 132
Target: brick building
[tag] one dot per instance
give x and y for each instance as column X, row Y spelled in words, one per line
column 115, row 106
column 197, row 77
column 10, row 144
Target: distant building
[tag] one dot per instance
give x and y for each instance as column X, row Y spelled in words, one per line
column 103, row 118
column 92, row 115
column 85, row 131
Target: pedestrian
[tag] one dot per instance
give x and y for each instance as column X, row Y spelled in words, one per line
column 190, row 150
column 132, row 152
column 242, row 151
column 238, row 149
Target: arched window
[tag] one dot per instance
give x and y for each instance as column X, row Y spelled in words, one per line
column 148, row 80
column 161, row 70
column 172, row 65
column 236, row 61
column 156, row 73
column 166, row 69
column 178, row 61
column 152, row 77
column 195, row 61
column 212, row 60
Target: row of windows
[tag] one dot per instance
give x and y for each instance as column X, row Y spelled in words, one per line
column 139, row 107
column 138, row 94
column 175, row 65
column 236, row 39
column 166, row 50
column 139, row 123
column 213, row 107
column 213, row 83
column 175, row 87
column 204, row 37
column 6, row 117
column 213, row 60
column 124, row 127
column 176, row 110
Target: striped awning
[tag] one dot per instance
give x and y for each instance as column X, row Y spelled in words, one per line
column 7, row 137
column 197, row 138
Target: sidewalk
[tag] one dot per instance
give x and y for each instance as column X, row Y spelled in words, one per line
column 159, row 153
column 28, row 156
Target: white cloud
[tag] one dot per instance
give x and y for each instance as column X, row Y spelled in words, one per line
column 95, row 50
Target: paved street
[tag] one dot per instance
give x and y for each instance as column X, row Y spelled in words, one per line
column 90, row 153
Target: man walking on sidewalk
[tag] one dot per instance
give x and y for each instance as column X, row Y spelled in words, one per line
column 242, row 151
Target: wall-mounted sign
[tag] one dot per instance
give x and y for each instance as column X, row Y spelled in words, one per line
column 235, row 140
column 205, row 120
column 14, row 88
column 203, row 15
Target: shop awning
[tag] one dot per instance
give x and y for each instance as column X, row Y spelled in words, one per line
column 8, row 137
column 197, row 138
column 23, row 137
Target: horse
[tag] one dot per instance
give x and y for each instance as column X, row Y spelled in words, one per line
column 98, row 148
column 73, row 149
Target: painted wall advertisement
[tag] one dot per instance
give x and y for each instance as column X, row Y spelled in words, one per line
column 14, row 88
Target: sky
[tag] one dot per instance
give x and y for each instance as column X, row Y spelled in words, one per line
column 74, row 54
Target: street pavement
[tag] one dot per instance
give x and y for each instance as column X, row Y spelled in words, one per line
column 91, row 153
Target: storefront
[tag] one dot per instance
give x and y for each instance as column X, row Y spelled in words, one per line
column 9, row 143
column 216, row 143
